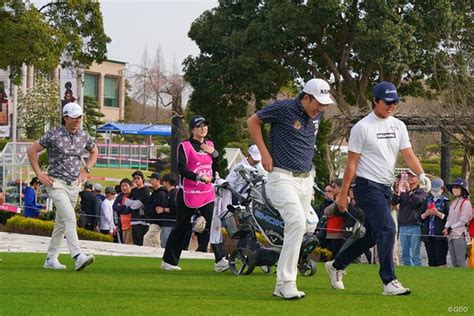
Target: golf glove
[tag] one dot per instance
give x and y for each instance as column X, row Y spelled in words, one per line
column 425, row 183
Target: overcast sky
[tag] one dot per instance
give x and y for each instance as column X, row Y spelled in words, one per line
column 136, row 25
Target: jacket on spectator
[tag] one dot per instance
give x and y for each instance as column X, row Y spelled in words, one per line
column 120, row 209
column 169, row 219
column 90, row 209
column 157, row 198
column 437, row 224
column 138, row 215
column 460, row 215
column 107, row 215
column 410, row 205
column 31, row 209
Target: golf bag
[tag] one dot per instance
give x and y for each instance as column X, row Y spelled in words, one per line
column 254, row 215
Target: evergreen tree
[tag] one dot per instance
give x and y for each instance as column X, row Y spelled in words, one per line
column 92, row 115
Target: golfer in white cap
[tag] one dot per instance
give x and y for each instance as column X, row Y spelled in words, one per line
column 65, row 146
column 294, row 126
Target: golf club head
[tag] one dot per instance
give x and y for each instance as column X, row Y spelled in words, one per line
column 359, row 230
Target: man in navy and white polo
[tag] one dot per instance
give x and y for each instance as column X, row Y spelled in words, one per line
column 294, row 126
column 374, row 144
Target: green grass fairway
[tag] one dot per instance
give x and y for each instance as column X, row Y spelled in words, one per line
column 136, row 286
column 113, row 173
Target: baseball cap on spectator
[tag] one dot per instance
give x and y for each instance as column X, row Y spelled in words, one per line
column 437, row 184
column 319, row 89
column 88, row 185
column 109, row 190
column 155, row 175
column 196, row 120
column 254, row 153
column 97, row 187
column 386, row 91
column 138, row 173
column 72, row 109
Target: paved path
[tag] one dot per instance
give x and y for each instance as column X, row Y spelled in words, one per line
column 38, row 244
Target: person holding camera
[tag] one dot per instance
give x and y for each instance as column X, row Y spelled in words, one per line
column 434, row 215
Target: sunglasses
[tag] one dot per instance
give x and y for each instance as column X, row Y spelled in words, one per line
column 327, row 191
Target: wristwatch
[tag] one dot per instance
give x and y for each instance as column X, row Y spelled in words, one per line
column 87, row 169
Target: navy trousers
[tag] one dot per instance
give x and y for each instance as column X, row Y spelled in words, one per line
column 374, row 199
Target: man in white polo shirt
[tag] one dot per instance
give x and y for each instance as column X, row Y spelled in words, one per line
column 374, row 144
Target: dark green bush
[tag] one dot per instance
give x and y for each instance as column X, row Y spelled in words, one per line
column 32, row 226
column 4, row 216
column 3, row 143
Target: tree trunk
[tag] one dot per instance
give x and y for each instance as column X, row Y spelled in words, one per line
column 445, row 163
column 176, row 131
column 466, row 164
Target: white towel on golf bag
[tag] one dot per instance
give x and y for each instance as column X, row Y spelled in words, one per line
column 223, row 198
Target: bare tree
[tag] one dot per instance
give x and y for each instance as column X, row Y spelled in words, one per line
column 451, row 112
column 154, row 86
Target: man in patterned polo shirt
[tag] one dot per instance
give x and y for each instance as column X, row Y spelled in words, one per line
column 294, row 126
column 65, row 146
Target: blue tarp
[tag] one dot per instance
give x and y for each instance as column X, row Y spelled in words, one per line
column 135, row 129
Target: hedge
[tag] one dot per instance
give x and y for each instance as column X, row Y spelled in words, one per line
column 5, row 215
column 33, row 226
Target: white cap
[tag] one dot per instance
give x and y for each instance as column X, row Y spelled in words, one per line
column 255, row 153
column 97, row 187
column 319, row 89
column 72, row 109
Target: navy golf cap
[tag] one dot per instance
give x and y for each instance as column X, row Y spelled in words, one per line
column 386, row 91
column 196, row 120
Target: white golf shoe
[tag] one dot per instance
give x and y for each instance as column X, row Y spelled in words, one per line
column 335, row 276
column 288, row 291
column 83, row 261
column 170, row 267
column 222, row 265
column 395, row 288
column 53, row 263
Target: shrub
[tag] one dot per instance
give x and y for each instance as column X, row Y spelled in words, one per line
column 3, row 143
column 33, row 226
column 4, row 216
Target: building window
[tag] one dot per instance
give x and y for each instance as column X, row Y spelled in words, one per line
column 91, row 85
column 111, row 92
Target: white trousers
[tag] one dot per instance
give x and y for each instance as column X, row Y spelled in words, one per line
column 65, row 198
column 291, row 196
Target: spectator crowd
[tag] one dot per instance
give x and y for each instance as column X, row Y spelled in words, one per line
column 441, row 220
